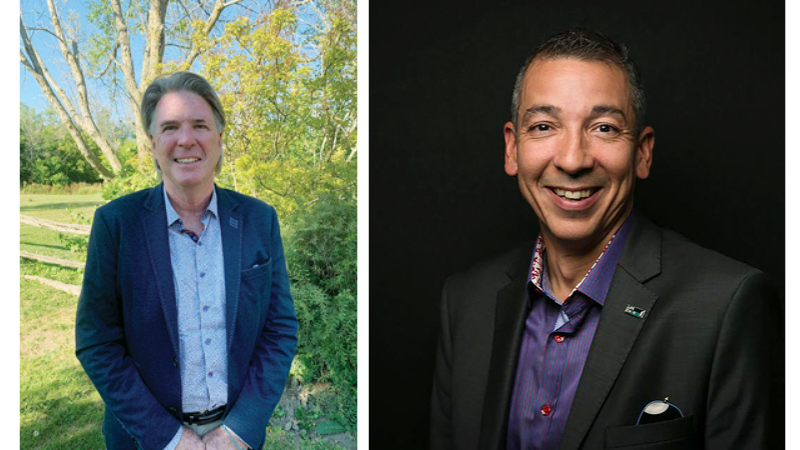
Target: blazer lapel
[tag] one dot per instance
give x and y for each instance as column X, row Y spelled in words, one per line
column 617, row 330
column 231, row 225
column 154, row 224
column 510, row 314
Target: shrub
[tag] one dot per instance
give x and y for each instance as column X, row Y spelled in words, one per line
column 55, row 189
column 321, row 258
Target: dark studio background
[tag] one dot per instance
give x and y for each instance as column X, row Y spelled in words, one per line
column 441, row 75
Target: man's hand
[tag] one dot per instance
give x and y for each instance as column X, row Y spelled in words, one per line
column 190, row 441
column 217, row 439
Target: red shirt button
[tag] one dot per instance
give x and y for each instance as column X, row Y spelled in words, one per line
column 546, row 410
column 559, row 338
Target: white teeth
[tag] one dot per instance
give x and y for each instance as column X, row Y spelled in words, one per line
column 186, row 160
column 573, row 195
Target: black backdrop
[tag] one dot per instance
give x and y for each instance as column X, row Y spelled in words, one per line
column 441, row 75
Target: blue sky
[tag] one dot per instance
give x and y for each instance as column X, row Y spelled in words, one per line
column 30, row 93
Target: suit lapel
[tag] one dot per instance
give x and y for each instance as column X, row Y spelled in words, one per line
column 154, row 223
column 231, row 226
column 617, row 330
column 510, row 313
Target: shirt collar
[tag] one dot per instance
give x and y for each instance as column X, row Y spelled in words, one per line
column 597, row 281
column 172, row 215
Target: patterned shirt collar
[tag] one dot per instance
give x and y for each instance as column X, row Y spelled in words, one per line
column 172, row 215
column 597, row 281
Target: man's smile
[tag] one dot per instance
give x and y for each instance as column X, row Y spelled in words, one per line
column 574, row 199
column 186, row 160
column 574, row 194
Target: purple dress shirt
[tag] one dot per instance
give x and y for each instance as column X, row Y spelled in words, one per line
column 555, row 344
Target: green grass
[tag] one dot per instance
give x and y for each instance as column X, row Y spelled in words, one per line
column 278, row 440
column 46, row 242
column 59, row 208
column 59, row 407
column 55, row 207
column 51, row 271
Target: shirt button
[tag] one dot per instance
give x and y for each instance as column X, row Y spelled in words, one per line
column 208, row 341
column 202, row 274
column 205, row 308
column 546, row 410
column 559, row 338
column 210, row 374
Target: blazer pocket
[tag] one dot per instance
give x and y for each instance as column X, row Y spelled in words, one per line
column 671, row 434
column 260, row 270
column 256, row 287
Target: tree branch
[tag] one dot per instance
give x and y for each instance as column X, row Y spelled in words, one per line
column 112, row 58
column 85, row 119
column 46, row 31
column 219, row 6
column 33, row 63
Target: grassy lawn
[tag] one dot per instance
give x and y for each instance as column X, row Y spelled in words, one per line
column 59, row 406
column 59, row 208
column 55, row 207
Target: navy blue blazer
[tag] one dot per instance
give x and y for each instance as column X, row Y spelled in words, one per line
column 126, row 329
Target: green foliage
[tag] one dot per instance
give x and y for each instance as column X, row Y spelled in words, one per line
column 140, row 175
column 278, row 412
column 290, row 102
column 321, row 259
column 328, row 427
column 306, row 418
column 322, row 244
column 76, row 243
column 48, row 155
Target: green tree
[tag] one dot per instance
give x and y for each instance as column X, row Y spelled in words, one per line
column 107, row 55
column 48, row 155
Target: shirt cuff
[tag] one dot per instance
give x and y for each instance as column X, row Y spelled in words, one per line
column 174, row 442
column 233, row 433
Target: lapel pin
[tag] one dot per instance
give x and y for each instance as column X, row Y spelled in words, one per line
column 635, row 311
column 234, row 223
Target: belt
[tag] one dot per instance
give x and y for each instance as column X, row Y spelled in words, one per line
column 203, row 417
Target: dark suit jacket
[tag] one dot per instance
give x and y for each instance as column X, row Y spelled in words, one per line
column 127, row 319
column 711, row 340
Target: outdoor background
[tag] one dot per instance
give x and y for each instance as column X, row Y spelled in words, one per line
column 441, row 76
column 286, row 75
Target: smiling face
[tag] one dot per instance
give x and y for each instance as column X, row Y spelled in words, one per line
column 575, row 152
column 186, row 142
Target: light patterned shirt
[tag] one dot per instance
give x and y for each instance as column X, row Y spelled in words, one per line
column 199, row 278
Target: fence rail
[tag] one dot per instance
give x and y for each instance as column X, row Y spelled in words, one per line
column 70, row 288
column 52, row 260
column 58, row 226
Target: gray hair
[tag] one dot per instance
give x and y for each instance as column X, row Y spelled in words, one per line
column 180, row 82
column 585, row 45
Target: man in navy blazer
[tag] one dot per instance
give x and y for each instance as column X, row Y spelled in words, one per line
column 142, row 322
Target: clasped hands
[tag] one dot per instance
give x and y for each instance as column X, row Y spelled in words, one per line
column 215, row 439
